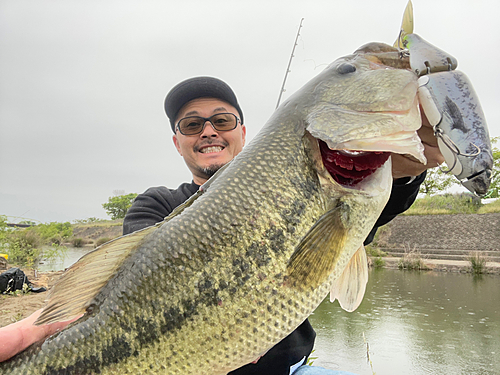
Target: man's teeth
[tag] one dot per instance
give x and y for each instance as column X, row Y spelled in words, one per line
column 208, row 150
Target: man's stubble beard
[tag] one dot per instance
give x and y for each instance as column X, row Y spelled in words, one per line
column 211, row 169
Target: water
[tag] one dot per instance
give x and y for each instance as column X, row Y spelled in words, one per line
column 71, row 255
column 414, row 323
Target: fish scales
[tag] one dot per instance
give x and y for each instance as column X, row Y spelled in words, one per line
column 212, row 288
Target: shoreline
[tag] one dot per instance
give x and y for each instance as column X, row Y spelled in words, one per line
column 440, row 265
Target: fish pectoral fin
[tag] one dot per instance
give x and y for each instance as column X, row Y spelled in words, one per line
column 350, row 287
column 79, row 284
column 316, row 255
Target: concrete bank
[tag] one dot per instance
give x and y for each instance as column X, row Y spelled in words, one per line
column 440, row 265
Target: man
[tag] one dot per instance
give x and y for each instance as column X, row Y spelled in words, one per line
column 207, row 144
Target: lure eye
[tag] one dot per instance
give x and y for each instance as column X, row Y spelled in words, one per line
column 346, row 68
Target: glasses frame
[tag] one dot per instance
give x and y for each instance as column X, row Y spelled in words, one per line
column 209, row 119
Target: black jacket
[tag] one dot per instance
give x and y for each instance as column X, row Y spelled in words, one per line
column 156, row 203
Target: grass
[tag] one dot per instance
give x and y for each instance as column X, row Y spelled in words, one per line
column 447, row 204
column 490, row 208
column 477, row 262
column 374, row 252
column 412, row 260
column 375, row 256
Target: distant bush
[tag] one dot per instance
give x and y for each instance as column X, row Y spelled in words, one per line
column 54, row 233
column 378, row 262
column 77, row 242
column 411, row 260
column 24, row 246
column 477, row 262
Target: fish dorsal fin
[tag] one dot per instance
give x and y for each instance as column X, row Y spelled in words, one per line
column 77, row 287
column 180, row 208
column 350, row 287
column 406, row 25
column 203, row 188
column 315, row 257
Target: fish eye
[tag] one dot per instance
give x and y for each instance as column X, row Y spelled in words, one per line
column 346, row 68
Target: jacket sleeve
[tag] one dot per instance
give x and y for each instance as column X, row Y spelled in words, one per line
column 403, row 194
column 148, row 208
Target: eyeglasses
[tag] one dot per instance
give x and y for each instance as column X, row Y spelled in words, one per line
column 221, row 122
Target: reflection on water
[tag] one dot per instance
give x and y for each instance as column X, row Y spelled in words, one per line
column 414, row 323
column 60, row 263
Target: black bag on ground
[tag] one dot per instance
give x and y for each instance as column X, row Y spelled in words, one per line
column 14, row 279
column 11, row 280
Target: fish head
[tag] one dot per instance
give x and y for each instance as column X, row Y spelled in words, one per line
column 361, row 108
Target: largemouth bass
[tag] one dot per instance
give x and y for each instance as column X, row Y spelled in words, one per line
column 246, row 260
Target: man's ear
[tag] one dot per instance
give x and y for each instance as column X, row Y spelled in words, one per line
column 244, row 133
column 176, row 143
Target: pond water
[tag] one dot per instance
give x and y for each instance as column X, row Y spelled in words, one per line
column 71, row 255
column 414, row 323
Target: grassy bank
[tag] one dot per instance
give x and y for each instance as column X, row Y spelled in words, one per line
column 448, row 204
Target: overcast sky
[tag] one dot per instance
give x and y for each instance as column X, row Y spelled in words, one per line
column 82, row 83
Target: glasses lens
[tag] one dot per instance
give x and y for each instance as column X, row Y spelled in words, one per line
column 191, row 125
column 224, row 121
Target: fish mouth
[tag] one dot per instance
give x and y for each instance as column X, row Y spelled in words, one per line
column 350, row 167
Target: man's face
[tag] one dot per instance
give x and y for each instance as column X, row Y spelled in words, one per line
column 208, row 151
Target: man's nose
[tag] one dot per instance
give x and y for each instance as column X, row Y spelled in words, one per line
column 208, row 131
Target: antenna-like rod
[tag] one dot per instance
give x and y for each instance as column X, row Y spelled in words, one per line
column 289, row 63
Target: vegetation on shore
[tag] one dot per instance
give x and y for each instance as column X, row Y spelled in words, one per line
column 412, row 260
column 447, row 204
column 27, row 246
column 477, row 262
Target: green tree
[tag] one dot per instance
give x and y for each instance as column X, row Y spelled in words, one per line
column 117, row 206
column 4, row 230
column 437, row 181
column 494, row 191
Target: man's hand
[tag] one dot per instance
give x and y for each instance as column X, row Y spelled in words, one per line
column 18, row 336
column 406, row 166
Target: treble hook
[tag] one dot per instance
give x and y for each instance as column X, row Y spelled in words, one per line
column 452, row 146
column 403, row 51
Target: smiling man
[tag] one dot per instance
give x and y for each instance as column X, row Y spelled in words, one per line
column 207, row 122
column 207, row 151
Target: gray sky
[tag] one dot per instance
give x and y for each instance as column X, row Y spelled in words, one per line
column 82, row 83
